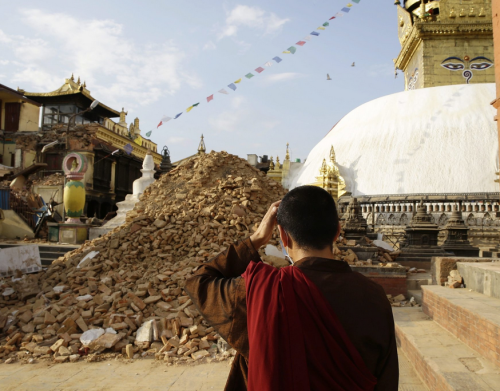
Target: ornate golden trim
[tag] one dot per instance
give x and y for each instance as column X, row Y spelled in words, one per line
column 119, row 141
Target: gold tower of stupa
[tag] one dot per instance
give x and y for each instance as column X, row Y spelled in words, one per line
column 445, row 42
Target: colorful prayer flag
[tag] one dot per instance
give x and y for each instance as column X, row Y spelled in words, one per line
column 149, row 133
column 259, row 70
column 178, row 115
column 315, row 33
column 349, row 5
column 286, row 51
column 268, row 64
column 307, row 38
column 238, row 81
column 326, row 24
column 223, row 91
column 333, row 17
column 163, row 120
column 292, row 49
column 277, row 59
column 249, row 75
column 355, row 1
column 211, row 97
column 339, row 14
column 301, row 43
column 232, row 86
column 128, row 149
column 191, row 107
column 321, row 28
column 345, row 9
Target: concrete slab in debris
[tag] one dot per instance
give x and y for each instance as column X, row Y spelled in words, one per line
column 23, row 258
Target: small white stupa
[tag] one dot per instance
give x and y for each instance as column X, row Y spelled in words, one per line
column 138, row 188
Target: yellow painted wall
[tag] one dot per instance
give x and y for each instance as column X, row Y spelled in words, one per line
column 29, row 116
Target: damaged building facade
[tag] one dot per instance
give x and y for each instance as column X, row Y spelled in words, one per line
column 114, row 150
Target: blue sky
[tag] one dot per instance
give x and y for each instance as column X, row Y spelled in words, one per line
column 157, row 58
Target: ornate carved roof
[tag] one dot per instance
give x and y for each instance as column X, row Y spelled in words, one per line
column 70, row 87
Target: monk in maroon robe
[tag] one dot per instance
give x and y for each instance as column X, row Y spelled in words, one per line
column 315, row 325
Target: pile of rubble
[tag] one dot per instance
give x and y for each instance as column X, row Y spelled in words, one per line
column 455, row 280
column 123, row 293
column 385, row 257
column 401, row 301
column 56, row 179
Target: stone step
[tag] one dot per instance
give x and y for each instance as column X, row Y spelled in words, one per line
column 442, row 361
column 481, row 277
column 408, row 378
column 470, row 316
column 417, row 294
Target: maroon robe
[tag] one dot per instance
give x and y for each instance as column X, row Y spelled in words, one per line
column 219, row 292
column 296, row 341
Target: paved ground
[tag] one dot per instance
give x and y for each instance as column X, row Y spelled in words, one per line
column 141, row 375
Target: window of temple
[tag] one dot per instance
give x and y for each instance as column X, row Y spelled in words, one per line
column 60, row 114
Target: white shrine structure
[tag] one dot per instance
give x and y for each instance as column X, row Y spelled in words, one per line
column 139, row 186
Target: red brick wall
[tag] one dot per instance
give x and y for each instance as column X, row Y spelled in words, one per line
column 478, row 333
column 392, row 285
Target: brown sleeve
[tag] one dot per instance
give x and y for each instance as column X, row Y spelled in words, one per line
column 219, row 293
column 388, row 368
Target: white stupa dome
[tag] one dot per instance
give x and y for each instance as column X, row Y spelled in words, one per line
column 426, row 141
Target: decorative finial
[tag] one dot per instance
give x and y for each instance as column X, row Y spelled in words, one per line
column 278, row 164
column 271, row 163
column 333, row 158
column 84, row 84
column 201, row 148
column 323, row 170
column 72, row 78
column 78, row 81
column 397, row 2
column 287, row 156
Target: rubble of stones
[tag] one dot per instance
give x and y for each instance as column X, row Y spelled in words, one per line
column 402, row 301
column 56, row 179
column 122, row 294
column 384, row 258
column 455, row 280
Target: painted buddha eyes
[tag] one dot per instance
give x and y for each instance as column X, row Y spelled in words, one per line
column 453, row 66
column 481, row 65
column 476, row 64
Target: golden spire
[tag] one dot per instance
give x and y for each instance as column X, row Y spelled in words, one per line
column 333, row 158
column 278, row 165
column 84, row 84
column 324, row 169
column 78, row 82
column 201, row 148
column 287, row 156
column 271, row 164
column 72, row 78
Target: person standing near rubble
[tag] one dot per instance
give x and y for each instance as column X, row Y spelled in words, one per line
column 314, row 325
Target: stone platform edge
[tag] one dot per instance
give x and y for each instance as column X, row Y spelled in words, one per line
column 480, row 334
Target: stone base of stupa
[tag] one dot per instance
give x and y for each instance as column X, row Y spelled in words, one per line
column 118, row 220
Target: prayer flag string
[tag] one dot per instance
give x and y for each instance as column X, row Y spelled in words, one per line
column 260, row 69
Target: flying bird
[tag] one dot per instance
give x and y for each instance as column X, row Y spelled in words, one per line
column 353, row 64
column 328, row 77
